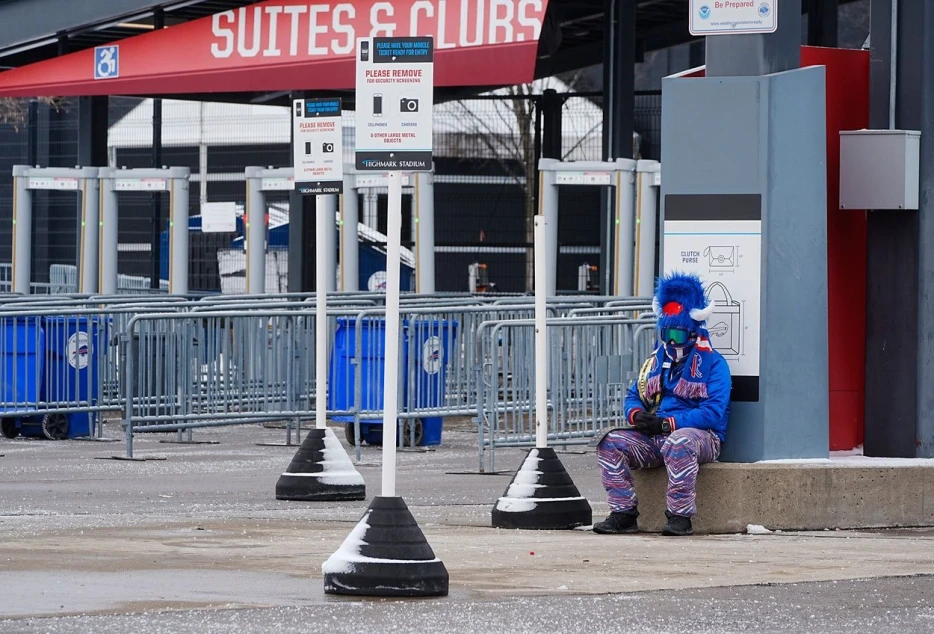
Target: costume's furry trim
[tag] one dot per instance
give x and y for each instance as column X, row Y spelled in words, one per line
column 691, row 389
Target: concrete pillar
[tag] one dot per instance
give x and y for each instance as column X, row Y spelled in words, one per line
column 255, row 235
column 350, row 240
column 424, row 228
column 22, row 231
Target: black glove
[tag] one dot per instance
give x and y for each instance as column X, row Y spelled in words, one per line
column 648, row 424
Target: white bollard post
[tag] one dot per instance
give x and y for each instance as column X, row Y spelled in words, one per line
column 178, row 231
column 541, row 333
column 88, row 276
column 391, row 372
column 322, row 211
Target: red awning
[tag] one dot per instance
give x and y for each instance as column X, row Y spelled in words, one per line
column 280, row 45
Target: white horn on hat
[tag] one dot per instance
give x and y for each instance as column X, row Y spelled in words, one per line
column 656, row 308
column 702, row 314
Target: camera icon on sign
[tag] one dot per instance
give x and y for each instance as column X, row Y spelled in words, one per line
column 408, row 105
column 327, row 148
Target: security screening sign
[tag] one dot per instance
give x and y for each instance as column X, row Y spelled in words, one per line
column 318, row 156
column 733, row 17
column 395, row 96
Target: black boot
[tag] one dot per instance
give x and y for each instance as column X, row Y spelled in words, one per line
column 618, row 523
column 677, row 525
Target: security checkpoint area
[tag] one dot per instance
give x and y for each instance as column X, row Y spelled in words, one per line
column 348, row 316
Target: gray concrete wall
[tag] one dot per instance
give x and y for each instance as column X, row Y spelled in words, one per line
column 766, row 136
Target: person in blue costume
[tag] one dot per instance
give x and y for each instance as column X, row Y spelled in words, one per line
column 677, row 411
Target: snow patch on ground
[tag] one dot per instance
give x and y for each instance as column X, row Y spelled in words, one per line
column 757, row 529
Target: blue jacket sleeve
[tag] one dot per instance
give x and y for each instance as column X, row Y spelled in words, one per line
column 712, row 412
column 633, row 402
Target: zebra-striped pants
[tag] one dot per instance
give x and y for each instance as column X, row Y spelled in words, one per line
column 682, row 452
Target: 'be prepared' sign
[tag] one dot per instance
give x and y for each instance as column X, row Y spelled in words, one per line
column 733, row 17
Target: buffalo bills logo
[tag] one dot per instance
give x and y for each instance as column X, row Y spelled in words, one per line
column 78, row 350
column 695, row 367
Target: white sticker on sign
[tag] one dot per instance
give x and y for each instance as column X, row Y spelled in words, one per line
column 432, row 355
column 78, row 350
column 219, row 217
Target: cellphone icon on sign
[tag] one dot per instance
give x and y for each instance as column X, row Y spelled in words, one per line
column 377, row 105
column 365, row 51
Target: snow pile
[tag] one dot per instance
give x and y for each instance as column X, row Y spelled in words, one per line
column 338, row 469
column 757, row 529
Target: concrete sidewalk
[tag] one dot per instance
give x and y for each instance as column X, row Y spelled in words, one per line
column 81, row 535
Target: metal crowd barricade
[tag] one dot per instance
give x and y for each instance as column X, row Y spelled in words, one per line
column 593, row 361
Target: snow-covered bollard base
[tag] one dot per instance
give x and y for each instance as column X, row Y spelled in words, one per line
column 321, row 471
column 542, row 496
column 386, row 555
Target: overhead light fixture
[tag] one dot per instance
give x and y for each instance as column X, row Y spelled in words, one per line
column 135, row 25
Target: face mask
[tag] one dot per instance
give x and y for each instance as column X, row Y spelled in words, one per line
column 676, row 353
column 678, row 342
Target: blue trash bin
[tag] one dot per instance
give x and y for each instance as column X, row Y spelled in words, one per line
column 22, row 356
column 75, row 346
column 428, row 339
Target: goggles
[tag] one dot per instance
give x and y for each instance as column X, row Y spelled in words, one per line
column 676, row 336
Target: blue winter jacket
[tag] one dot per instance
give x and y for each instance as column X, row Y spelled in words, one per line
column 695, row 392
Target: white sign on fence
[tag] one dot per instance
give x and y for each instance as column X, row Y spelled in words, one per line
column 318, row 156
column 219, row 218
column 395, row 97
column 733, row 17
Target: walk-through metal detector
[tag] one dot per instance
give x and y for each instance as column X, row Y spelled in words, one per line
column 635, row 216
column 174, row 180
column 261, row 180
column 82, row 180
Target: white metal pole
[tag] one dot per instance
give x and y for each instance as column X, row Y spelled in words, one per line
column 255, row 232
column 90, row 233
column 109, row 236
column 391, row 371
column 541, row 333
column 322, row 210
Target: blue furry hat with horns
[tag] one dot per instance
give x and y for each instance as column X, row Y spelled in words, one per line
column 680, row 302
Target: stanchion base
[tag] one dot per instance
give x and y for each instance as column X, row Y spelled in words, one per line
column 542, row 496
column 386, row 555
column 321, row 471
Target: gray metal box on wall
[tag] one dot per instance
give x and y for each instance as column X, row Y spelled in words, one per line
column 879, row 169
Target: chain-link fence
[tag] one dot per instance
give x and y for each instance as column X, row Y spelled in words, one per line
column 486, row 152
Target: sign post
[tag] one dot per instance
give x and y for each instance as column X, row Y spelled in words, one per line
column 395, row 96
column 321, row 469
column 733, row 17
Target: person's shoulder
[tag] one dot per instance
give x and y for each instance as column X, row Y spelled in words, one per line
column 717, row 360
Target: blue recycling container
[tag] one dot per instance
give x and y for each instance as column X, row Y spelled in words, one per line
column 22, row 356
column 74, row 345
column 424, row 381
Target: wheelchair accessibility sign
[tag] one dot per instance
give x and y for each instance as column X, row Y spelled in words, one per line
column 107, row 62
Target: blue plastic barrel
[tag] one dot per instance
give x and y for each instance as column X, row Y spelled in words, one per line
column 429, row 340
column 75, row 345
column 22, row 355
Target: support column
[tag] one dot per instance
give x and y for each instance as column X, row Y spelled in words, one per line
column 750, row 55
column 619, row 63
column 155, row 269
column 301, row 234
column 255, row 232
column 424, row 206
column 822, row 22
column 90, row 234
column 646, row 225
column 899, row 352
column 178, row 231
column 22, row 231
column 92, row 131
column 350, row 241
column 330, row 242
column 109, row 235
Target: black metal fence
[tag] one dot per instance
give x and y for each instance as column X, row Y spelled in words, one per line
column 485, row 149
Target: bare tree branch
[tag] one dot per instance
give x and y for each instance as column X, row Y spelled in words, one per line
column 15, row 111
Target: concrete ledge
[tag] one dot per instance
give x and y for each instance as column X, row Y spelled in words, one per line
column 799, row 495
